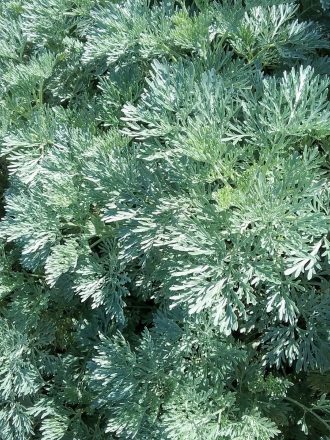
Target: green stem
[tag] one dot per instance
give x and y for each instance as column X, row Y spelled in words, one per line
column 41, row 92
column 308, row 410
column 96, row 243
column 33, row 275
column 105, row 237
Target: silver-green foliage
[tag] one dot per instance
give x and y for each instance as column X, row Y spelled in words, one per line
column 165, row 243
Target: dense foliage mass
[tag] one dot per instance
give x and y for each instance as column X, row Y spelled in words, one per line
column 165, row 220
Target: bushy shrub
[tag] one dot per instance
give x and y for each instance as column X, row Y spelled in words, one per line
column 165, row 223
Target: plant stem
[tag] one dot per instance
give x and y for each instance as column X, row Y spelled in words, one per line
column 308, row 410
column 41, row 92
